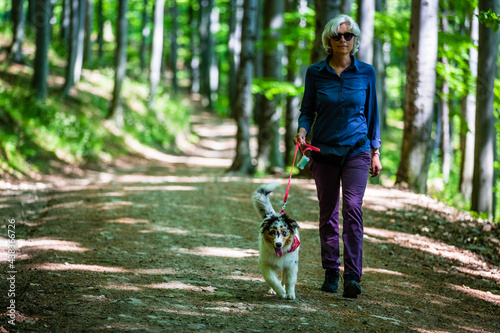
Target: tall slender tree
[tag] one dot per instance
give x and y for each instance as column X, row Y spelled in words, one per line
column 484, row 150
column 89, row 29
column 269, row 155
column 174, row 46
column 242, row 163
column 468, row 113
column 380, row 61
column 116, row 107
column 207, row 51
column 234, row 46
column 157, row 49
column 100, row 28
column 42, row 24
column 366, row 19
column 325, row 11
column 18, row 21
column 444, row 129
column 145, row 32
column 75, row 55
column 420, row 89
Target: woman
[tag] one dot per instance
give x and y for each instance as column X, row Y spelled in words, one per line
column 340, row 99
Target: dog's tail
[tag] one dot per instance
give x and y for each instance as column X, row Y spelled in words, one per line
column 261, row 199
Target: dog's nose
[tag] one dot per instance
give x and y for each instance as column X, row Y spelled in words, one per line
column 278, row 245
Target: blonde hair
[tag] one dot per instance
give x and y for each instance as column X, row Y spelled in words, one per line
column 332, row 28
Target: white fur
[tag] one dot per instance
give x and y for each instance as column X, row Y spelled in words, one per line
column 270, row 264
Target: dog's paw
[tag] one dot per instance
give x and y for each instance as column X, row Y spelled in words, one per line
column 290, row 296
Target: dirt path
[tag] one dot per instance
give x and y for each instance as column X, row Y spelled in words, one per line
column 169, row 244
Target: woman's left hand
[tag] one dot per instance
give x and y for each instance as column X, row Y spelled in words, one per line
column 376, row 166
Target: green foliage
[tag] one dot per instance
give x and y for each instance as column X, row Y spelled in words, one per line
column 490, row 19
column 37, row 132
column 271, row 88
column 156, row 126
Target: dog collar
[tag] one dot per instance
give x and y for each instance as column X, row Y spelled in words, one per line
column 295, row 244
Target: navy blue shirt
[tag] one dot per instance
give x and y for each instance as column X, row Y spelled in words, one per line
column 345, row 107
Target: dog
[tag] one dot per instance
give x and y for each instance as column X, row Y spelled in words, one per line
column 279, row 244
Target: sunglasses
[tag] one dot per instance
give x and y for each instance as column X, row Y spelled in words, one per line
column 347, row 36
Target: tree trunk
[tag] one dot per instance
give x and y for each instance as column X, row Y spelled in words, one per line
column 89, row 28
column 18, row 20
column 468, row 112
column 366, row 18
column 444, row 112
column 174, row 46
column 484, row 150
column 65, row 20
column 269, row 155
column 380, row 62
column 145, row 32
column 75, row 54
column 420, row 89
column 234, row 47
column 242, row 163
column 206, row 40
column 116, row 108
column 42, row 23
column 346, row 7
column 294, row 76
column 157, row 49
column 325, row 11
column 195, row 50
column 100, row 29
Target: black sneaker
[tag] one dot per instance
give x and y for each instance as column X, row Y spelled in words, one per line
column 331, row 283
column 351, row 286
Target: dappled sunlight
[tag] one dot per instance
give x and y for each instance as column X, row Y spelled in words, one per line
column 383, row 271
column 207, row 251
column 97, row 268
column 308, row 225
column 493, row 273
column 174, row 231
column 178, row 285
column 243, row 278
column 487, row 296
column 25, row 246
column 153, row 154
column 128, row 220
column 223, row 236
column 161, row 188
column 428, row 245
column 62, row 205
column 230, row 309
column 187, row 313
column 379, row 198
column 125, row 287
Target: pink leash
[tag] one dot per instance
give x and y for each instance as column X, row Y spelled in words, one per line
column 308, row 147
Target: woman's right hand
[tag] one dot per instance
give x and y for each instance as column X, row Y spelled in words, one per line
column 300, row 137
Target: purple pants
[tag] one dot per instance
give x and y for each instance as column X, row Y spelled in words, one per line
column 353, row 173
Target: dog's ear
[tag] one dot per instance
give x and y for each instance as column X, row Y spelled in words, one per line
column 267, row 223
column 291, row 223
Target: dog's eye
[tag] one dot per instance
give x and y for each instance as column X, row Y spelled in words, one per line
column 272, row 232
column 285, row 233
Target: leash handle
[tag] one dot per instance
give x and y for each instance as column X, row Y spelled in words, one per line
column 297, row 147
column 308, row 147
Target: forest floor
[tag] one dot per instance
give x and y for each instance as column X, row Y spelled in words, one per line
column 168, row 243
